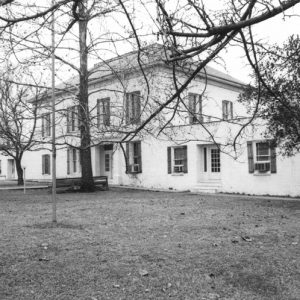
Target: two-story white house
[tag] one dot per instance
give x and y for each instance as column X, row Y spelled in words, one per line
column 187, row 146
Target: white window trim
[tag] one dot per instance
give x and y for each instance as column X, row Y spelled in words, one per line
column 255, row 161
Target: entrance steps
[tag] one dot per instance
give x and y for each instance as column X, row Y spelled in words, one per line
column 208, row 186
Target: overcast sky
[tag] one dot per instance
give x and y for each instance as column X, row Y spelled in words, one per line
column 274, row 30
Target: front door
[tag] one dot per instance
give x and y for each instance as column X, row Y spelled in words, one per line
column 106, row 160
column 211, row 162
column 108, row 163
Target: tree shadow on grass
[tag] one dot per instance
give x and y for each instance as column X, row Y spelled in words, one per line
column 48, row 225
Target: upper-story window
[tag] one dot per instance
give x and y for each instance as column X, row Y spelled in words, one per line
column 72, row 118
column 46, row 125
column 133, row 108
column 227, row 109
column 103, row 112
column 195, row 109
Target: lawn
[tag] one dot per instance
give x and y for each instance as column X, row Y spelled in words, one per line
column 126, row 244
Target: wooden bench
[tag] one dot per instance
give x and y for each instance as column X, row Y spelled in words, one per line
column 74, row 183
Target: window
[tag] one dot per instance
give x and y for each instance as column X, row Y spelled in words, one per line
column 215, row 161
column 73, row 160
column 177, row 159
column 0, row 167
column 72, row 118
column 261, row 157
column 133, row 108
column 227, row 108
column 134, row 157
column 195, row 109
column 46, row 164
column 107, row 162
column 46, row 125
column 103, row 112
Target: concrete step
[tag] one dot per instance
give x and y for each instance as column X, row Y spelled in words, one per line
column 211, row 186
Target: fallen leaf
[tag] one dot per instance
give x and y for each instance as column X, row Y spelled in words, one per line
column 143, row 272
column 246, row 238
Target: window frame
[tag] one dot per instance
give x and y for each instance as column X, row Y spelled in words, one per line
column 46, row 164
column 265, row 166
column 46, row 125
column 133, row 108
column 195, row 108
column 227, row 110
column 73, row 161
column 134, row 157
column 173, row 166
column 103, row 112
column 73, row 118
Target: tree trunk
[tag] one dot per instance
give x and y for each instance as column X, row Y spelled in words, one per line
column 85, row 137
column 19, row 171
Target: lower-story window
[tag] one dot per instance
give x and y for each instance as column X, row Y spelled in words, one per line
column 46, row 164
column 261, row 157
column 177, row 159
column 73, row 161
column 215, row 161
column 134, row 157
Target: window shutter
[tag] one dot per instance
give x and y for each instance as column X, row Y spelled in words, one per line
column 98, row 113
column 43, row 126
column 127, row 100
column 231, row 110
column 250, row 157
column 273, row 159
column 127, row 159
column 68, row 161
column 140, row 155
column 47, row 163
column 77, row 119
column 137, row 98
column 43, row 164
column 107, row 112
column 224, row 109
column 185, row 160
column 68, row 119
column 200, row 109
column 191, row 108
column 169, row 149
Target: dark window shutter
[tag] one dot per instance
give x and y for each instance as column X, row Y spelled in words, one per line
column 68, row 161
column 127, row 159
column 43, row 126
column 200, row 109
column 48, row 164
column 137, row 98
column 43, row 164
column 140, row 155
column 98, row 113
column 107, row 112
column 273, row 159
column 231, row 110
column 250, row 157
column 68, row 119
column 224, row 110
column 169, row 160
column 77, row 119
column 191, row 108
column 185, row 160
column 127, row 114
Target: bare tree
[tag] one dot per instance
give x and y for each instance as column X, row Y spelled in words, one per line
column 192, row 35
column 18, row 117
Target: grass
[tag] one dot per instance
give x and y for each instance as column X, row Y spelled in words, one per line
column 126, row 244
